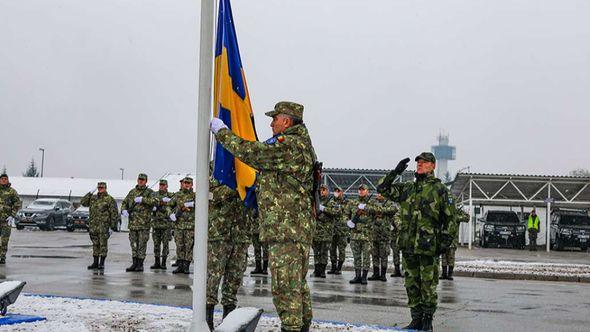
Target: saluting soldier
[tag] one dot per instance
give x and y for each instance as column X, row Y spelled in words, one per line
column 10, row 203
column 161, row 226
column 183, row 217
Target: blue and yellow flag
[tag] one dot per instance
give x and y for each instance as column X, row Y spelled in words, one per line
column 232, row 106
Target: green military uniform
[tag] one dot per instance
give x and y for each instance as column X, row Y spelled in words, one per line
column 260, row 248
column 162, row 227
column 322, row 237
column 380, row 236
column 448, row 258
column 139, row 204
column 10, row 203
column 360, row 237
column 427, row 210
column 336, row 210
column 284, row 186
column 184, row 227
column 395, row 252
column 227, row 255
column 103, row 216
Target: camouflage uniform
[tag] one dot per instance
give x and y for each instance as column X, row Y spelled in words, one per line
column 140, row 215
column 260, row 248
column 103, row 216
column 395, row 252
column 10, row 203
column 321, row 239
column 228, row 246
column 184, row 226
column 426, row 211
column 448, row 258
column 161, row 224
column 360, row 235
column 336, row 209
column 380, row 236
column 284, row 187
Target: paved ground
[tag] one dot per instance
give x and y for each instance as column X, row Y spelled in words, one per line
column 55, row 263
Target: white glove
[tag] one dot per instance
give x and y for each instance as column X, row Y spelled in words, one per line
column 189, row 204
column 350, row 224
column 138, row 199
column 155, row 209
column 361, row 206
column 216, row 125
column 166, row 199
column 10, row 220
column 173, row 217
column 322, row 208
column 124, row 213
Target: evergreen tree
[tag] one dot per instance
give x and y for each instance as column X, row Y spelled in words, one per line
column 581, row 172
column 32, row 170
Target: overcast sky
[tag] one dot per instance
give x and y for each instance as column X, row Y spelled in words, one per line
column 108, row 84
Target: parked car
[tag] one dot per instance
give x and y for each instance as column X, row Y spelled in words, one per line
column 501, row 229
column 78, row 219
column 45, row 213
column 570, row 228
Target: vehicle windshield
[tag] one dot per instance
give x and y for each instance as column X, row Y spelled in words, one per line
column 42, row 205
column 82, row 209
column 502, row 217
column 578, row 220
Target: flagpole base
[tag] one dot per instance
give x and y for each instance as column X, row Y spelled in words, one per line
column 198, row 326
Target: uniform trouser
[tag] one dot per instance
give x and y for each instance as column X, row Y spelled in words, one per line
column 100, row 242
column 533, row 237
column 395, row 252
column 161, row 238
column 228, row 261
column 380, row 253
column 448, row 258
column 338, row 249
column 361, row 252
column 320, row 252
column 289, row 262
column 421, row 279
column 5, row 230
column 184, row 238
column 138, row 240
column 260, row 249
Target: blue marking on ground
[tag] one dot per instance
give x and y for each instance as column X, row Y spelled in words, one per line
column 12, row 319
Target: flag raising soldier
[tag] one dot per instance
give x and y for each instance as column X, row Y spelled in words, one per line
column 341, row 232
column 161, row 226
column 10, row 203
column 323, row 233
column 183, row 218
column 102, row 218
column 138, row 205
column 284, row 191
column 426, row 211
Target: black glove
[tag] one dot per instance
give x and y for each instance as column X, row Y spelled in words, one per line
column 401, row 166
column 388, row 180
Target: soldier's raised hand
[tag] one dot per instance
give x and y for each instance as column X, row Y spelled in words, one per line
column 401, row 166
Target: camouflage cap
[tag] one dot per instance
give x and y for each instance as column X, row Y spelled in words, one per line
column 337, row 188
column 3, row 175
column 364, row 186
column 142, row 176
column 289, row 108
column 426, row 156
column 101, row 184
column 188, row 179
column 163, row 181
column 324, row 186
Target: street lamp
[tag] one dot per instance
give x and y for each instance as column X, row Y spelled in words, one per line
column 42, row 159
column 122, row 172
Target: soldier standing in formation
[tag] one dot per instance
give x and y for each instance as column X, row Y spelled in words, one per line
column 395, row 252
column 138, row 205
column 183, row 217
column 341, row 233
column 284, row 190
column 323, row 234
column 161, row 226
column 427, row 211
column 381, row 237
column 227, row 251
column 360, row 223
column 260, row 248
column 103, row 213
column 448, row 258
column 10, row 203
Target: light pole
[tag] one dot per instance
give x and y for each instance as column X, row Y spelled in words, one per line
column 42, row 159
column 122, row 172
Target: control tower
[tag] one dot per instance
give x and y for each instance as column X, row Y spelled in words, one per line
column 443, row 153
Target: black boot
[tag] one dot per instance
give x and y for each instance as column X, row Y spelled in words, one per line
column 163, row 263
column 2, row 260
column 333, row 269
column 94, row 265
column 139, row 267
column 156, row 264
column 101, row 262
column 180, row 266
column 416, row 323
column 383, row 274
column 375, row 275
column 450, row 275
column 257, row 269
column 444, row 275
column 339, row 268
column 397, row 272
column 208, row 313
column 322, row 270
column 133, row 266
column 364, row 277
column 315, row 273
column 265, row 267
column 227, row 309
column 305, row 327
column 187, row 267
column 427, row 323
column 357, row 278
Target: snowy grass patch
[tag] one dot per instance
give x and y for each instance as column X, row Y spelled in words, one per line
column 524, row 268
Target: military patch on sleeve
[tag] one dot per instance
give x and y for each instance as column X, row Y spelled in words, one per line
column 271, row 141
column 281, row 138
column 451, row 201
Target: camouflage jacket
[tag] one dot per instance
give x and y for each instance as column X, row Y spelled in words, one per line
column 284, row 182
column 324, row 229
column 103, row 212
column 426, row 212
column 185, row 216
column 227, row 215
column 162, row 211
column 383, row 216
column 140, row 214
column 363, row 220
column 395, row 225
column 10, row 203
column 337, row 207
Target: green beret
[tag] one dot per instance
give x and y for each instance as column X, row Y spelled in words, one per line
column 288, row 108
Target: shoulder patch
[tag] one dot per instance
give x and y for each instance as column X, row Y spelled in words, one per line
column 281, row 138
column 271, row 140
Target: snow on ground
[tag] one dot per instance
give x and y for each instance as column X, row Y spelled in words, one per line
column 79, row 315
column 528, row 268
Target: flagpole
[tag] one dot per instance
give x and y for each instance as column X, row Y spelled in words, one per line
column 198, row 323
